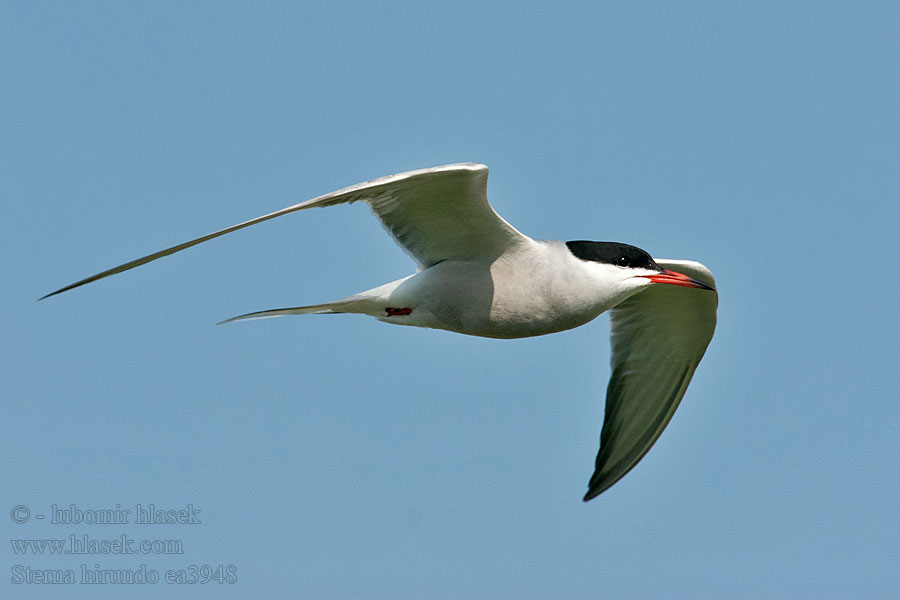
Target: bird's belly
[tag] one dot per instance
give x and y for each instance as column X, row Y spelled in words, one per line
column 483, row 301
column 510, row 314
column 526, row 319
column 503, row 324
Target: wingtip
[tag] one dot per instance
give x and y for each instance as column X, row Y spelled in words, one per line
column 247, row 317
column 592, row 493
column 77, row 284
column 51, row 294
column 599, row 484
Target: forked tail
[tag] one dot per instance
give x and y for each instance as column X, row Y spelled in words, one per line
column 347, row 305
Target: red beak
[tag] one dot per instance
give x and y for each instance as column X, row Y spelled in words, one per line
column 675, row 278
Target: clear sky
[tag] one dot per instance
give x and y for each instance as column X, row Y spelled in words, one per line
column 339, row 457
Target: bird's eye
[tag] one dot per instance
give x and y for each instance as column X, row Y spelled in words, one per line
column 623, row 262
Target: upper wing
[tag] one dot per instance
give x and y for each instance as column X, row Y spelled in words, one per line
column 434, row 214
column 658, row 337
column 441, row 214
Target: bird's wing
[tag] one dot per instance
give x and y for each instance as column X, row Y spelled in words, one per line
column 658, row 337
column 434, row 214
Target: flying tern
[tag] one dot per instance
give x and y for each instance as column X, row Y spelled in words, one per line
column 478, row 275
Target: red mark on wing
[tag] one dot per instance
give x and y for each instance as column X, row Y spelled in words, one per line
column 397, row 312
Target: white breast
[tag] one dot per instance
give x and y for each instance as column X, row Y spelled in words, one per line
column 538, row 289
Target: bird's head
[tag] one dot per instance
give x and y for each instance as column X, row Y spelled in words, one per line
column 626, row 269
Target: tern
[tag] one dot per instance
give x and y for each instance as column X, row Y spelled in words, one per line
column 478, row 275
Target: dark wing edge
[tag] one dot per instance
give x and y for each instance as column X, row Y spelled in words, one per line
column 658, row 338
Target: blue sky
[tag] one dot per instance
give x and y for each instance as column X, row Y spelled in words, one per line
column 339, row 457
